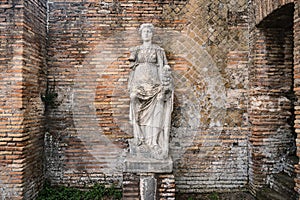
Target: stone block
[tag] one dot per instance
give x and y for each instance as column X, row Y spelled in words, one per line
column 145, row 165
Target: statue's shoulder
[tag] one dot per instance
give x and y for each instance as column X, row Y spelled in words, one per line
column 158, row 48
column 155, row 46
column 134, row 49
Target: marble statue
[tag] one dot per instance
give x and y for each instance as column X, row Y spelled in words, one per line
column 151, row 97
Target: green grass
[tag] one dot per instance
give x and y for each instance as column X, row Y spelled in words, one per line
column 98, row 192
column 214, row 196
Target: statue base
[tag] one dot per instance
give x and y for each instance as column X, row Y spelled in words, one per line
column 148, row 165
column 149, row 186
column 146, row 170
column 143, row 151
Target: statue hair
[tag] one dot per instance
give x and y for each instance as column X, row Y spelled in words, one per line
column 146, row 25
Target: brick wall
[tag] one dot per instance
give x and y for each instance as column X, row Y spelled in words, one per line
column 86, row 99
column 272, row 96
column 11, row 101
column 272, row 99
column 87, row 129
column 87, row 102
column 263, row 8
column 23, row 34
column 296, row 84
column 165, row 184
column 34, row 87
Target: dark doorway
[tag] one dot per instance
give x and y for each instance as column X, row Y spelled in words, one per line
column 272, row 140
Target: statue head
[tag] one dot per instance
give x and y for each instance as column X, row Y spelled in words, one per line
column 146, row 31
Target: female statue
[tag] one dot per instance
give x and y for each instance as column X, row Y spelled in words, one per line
column 151, row 96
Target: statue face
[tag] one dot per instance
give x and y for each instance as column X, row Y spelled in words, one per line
column 146, row 34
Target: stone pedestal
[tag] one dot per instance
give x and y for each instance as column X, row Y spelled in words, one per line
column 148, row 186
column 148, row 179
column 148, row 165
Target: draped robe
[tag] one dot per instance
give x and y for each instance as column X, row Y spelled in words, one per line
column 151, row 100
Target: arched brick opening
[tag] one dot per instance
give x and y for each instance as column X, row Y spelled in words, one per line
column 272, row 139
column 265, row 8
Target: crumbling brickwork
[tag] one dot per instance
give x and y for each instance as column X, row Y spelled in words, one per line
column 272, row 93
column 23, row 65
column 11, row 101
column 263, row 8
column 88, row 64
column 272, row 102
column 165, row 184
column 233, row 120
column 297, row 84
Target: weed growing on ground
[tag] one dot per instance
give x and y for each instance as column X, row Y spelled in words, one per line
column 98, row 192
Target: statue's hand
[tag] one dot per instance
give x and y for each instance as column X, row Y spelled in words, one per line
column 166, row 75
column 133, row 65
column 166, row 81
column 167, row 68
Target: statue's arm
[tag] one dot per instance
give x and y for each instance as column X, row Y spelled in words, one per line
column 133, row 64
column 132, row 58
column 132, row 55
column 165, row 71
column 165, row 61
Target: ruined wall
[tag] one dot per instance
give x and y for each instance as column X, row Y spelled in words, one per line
column 11, row 102
column 34, row 88
column 272, row 94
column 272, row 101
column 23, row 34
column 88, row 48
column 263, row 8
column 297, row 84
column 87, row 101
